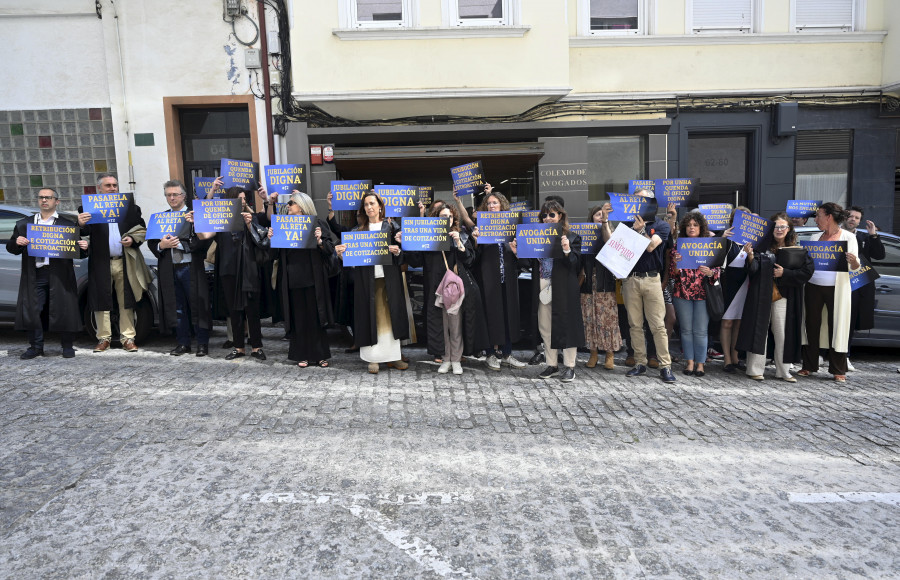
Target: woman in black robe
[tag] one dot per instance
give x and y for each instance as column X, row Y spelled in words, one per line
column 379, row 312
column 497, row 271
column 774, row 270
column 303, row 289
column 470, row 328
column 559, row 321
column 734, row 274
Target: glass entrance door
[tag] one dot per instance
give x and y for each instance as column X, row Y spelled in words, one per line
column 720, row 162
column 208, row 135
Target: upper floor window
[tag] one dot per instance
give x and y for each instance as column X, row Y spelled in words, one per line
column 720, row 16
column 611, row 17
column 481, row 12
column 827, row 15
column 377, row 13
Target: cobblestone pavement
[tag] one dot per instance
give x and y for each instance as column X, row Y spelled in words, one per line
column 145, row 466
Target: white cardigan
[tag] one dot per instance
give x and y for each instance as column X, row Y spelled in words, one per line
column 839, row 341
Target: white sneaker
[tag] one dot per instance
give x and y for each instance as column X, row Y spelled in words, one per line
column 513, row 362
column 444, row 368
column 457, row 368
column 850, row 365
column 493, row 363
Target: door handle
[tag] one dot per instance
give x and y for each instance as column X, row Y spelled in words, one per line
column 883, row 289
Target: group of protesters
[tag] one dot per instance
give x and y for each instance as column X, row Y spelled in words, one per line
column 472, row 292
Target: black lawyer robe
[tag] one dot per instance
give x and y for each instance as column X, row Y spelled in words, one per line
column 201, row 315
column 862, row 301
column 365, row 326
column 474, row 330
column 100, row 289
column 566, row 321
column 758, row 306
column 64, row 314
column 596, row 277
column 487, row 273
column 289, row 268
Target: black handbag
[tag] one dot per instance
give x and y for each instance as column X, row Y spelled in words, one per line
column 715, row 299
column 261, row 242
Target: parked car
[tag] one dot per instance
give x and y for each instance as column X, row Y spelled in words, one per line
column 887, row 293
column 11, row 268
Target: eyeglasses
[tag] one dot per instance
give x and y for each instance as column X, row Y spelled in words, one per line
column 292, row 202
column 46, row 197
column 173, row 195
column 781, row 227
column 551, row 215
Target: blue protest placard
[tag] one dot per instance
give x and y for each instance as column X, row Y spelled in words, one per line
column 284, row 179
column 696, row 252
column 346, row 194
column 863, row 276
column 520, row 206
column 399, row 200
column 496, row 226
column 217, row 215
column 828, row 256
column 238, row 173
column 166, row 223
column 626, row 207
column 366, row 249
column 52, row 241
column 106, row 208
column 529, row 217
column 677, row 191
column 717, row 215
column 538, row 241
column 590, row 236
column 293, row 232
column 750, row 228
column 467, row 179
column 425, row 234
column 202, row 185
column 802, row 208
column 426, row 195
column 645, row 184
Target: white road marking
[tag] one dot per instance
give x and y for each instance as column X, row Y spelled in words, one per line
column 358, row 505
column 846, row 497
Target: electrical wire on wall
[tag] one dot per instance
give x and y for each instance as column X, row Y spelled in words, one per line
column 242, row 13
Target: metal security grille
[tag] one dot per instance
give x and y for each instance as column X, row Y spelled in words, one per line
column 824, row 144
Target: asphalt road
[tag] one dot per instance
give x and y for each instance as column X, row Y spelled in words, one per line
column 144, row 465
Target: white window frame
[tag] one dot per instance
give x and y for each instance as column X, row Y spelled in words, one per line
column 349, row 20
column 645, row 8
column 858, row 18
column 450, row 12
column 756, row 7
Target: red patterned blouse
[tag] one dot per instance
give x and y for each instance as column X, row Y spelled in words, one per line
column 688, row 283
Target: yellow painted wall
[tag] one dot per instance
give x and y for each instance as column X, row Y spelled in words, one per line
column 891, row 23
column 323, row 62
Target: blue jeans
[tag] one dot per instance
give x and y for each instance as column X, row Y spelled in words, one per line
column 694, row 322
column 183, row 307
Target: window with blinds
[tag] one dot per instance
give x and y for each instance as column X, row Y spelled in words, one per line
column 824, row 15
column 822, row 166
column 722, row 16
column 615, row 16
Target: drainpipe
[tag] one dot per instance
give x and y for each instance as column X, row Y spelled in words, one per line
column 264, row 45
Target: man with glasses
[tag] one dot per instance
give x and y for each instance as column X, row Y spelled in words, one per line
column 116, row 264
column 46, row 283
column 183, row 287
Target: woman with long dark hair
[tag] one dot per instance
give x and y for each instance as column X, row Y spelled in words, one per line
column 497, row 271
column 775, row 299
column 556, row 291
column 599, row 310
column 690, row 297
column 303, row 288
column 734, row 288
column 379, row 311
column 451, row 332
column 237, row 274
column 829, row 291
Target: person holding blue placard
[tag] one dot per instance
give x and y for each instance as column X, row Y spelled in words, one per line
column 43, row 279
column 303, row 288
column 556, row 291
column 599, row 311
column 775, row 299
column 734, row 288
column 689, row 297
column 829, row 291
column 238, row 277
column 451, row 332
column 380, row 314
column 342, row 284
column 862, row 310
column 497, row 271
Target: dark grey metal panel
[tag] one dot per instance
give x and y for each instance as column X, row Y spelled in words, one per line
column 563, row 171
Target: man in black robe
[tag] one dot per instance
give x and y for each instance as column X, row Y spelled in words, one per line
column 108, row 269
column 183, row 287
column 46, row 283
column 862, row 301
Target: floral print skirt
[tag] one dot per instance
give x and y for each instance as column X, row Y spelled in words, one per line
column 601, row 321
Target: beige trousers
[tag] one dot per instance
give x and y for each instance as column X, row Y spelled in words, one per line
column 644, row 298
column 126, row 315
column 545, row 316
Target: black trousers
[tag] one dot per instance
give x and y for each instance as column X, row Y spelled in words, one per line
column 815, row 298
column 308, row 341
column 249, row 313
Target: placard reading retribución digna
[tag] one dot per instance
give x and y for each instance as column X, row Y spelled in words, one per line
column 496, row 226
column 52, row 241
